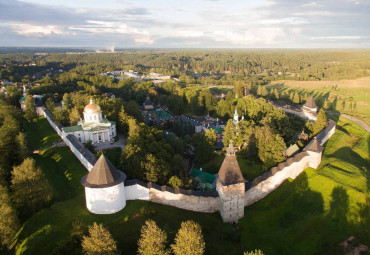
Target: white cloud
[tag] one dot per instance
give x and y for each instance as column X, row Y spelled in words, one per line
column 37, row 30
column 312, row 4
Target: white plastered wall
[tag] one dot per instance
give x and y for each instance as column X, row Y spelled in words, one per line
column 105, row 200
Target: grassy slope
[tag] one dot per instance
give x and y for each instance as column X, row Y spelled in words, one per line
column 303, row 216
column 321, row 207
column 40, row 134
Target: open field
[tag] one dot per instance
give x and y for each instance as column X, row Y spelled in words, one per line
column 39, row 133
column 320, row 208
column 341, row 93
column 309, row 215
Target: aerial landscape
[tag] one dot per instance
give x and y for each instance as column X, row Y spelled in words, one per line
column 200, row 127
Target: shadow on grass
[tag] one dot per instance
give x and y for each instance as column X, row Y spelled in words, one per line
column 292, row 220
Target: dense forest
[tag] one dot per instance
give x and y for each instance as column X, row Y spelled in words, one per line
column 204, row 66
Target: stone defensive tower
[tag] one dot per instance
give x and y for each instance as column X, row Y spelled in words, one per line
column 315, row 151
column 104, row 188
column 231, row 188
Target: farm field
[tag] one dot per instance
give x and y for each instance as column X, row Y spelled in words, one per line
column 341, row 94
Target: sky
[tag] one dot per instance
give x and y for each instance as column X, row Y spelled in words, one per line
column 185, row 24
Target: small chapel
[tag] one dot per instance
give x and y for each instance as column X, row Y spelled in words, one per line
column 93, row 127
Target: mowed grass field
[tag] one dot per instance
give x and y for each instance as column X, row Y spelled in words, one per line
column 346, row 92
column 309, row 215
column 320, row 208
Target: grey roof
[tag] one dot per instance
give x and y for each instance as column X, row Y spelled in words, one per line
column 103, row 174
column 314, row 146
column 310, row 103
column 88, row 155
column 230, row 171
column 147, row 101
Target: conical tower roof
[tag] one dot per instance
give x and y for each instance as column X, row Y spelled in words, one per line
column 310, row 103
column 230, row 171
column 103, row 175
column 315, row 146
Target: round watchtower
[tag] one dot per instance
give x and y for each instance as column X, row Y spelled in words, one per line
column 104, row 188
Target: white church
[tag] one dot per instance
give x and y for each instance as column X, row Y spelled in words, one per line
column 94, row 127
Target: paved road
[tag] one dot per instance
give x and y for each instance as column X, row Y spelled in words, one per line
column 360, row 122
column 107, row 145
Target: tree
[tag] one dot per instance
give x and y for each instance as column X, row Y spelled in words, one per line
column 229, row 132
column 152, row 240
column 122, row 123
column 9, row 223
column 67, row 101
column 30, row 111
column 189, row 240
column 22, row 146
column 60, row 116
column 296, row 98
column 99, row 241
column 31, row 190
column 175, row 182
column 74, row 116
column 90, row 146
column 154, row 169
column 320, row 123
column 270, row 146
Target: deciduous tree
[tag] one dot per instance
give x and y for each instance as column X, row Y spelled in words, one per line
column 189, row 240
column 152, row 240
column 99, row 241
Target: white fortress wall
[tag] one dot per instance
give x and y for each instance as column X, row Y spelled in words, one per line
column 83, row 155
column 137, row 192
column 191, row 203
column 291, row 168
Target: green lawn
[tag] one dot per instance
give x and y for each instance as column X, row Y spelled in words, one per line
column 320, row 208
column 309, row 215
column 63, row 171
column 42, row 233
column 39, row 133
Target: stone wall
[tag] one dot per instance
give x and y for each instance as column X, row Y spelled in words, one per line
column 204, row 201
column 85, row 156
column 291, row 168
column 198, row 201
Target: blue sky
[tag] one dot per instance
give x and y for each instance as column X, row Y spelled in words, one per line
column 186, row 24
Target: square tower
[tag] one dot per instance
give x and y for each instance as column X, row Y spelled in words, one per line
column 231, row 188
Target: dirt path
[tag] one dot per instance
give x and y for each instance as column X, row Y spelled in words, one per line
column 359, row 122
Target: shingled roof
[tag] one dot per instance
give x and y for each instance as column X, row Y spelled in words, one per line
column 103, row 175
column 230, row 171
column 147, row 101
column 310, row 103
column 315, row 146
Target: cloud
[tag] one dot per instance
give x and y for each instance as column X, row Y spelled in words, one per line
column 235, row 23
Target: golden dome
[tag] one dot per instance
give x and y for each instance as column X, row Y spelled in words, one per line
column 92, row 108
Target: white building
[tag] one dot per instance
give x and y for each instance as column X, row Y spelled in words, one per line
column 104, row 188
column 94, row 127
column 310, row 109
